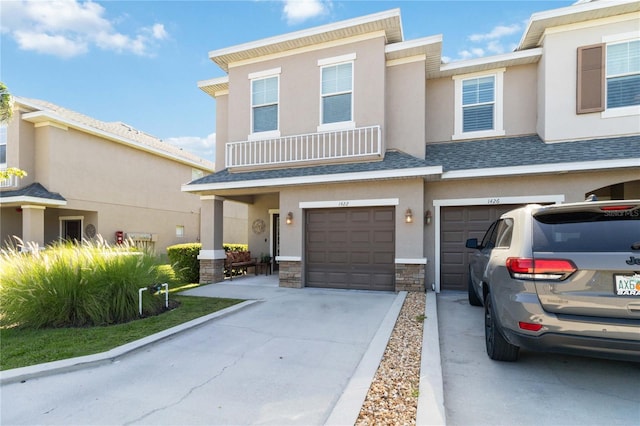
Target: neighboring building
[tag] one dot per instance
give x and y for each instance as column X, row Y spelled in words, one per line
column 87, row 177
column 366, row 162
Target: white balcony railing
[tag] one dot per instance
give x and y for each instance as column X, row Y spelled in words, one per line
column 316, row 147
column 10, row 182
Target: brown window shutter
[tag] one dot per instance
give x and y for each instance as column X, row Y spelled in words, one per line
column 590, row 90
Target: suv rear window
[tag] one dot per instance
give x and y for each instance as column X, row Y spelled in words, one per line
column 586, row 231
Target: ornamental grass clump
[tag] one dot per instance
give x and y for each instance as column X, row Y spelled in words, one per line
column 76, row 285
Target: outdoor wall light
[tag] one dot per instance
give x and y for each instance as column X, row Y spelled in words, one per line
column 408, row 216
column 289, row 219
column 427, row 217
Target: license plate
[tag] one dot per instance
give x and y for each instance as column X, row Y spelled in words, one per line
column 627, row 285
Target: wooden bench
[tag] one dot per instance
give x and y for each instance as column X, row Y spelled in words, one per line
column 239, row 261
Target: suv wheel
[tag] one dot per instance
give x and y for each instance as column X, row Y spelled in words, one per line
column 474, row 300
column 497, row 347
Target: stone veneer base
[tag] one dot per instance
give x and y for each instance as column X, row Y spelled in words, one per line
column 290, row 274
column 410, row 277
column 211, row 271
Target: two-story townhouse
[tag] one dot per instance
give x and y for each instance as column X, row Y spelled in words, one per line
column 87, row 177
column 363, row 158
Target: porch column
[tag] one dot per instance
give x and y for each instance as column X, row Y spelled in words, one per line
column 33, row 224
column 212, row 254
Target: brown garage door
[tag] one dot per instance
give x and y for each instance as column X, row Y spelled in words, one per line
column 456, row 226
column 351, row 248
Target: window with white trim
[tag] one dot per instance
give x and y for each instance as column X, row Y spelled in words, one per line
column 623, row 74
column 478, row 105
column 337, row 93
column 180, row 231
column 264, row 104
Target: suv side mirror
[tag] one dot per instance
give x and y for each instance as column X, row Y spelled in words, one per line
column 472, row 243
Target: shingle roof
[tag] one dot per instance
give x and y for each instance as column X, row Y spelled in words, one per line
column 528, row 151
column 116, row 128
column 393, row 160
column 35, row 190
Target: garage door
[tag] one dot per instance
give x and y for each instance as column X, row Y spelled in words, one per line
column 350, row 248
column 456, row 226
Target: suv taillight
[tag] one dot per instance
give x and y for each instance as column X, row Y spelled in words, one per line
column 540, row 269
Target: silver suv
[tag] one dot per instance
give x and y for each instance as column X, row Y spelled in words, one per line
column 560, row 278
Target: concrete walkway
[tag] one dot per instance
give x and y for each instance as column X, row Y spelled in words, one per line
column 296, row 356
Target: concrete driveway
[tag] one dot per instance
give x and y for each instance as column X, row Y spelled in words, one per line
column 285, row 360
column 539, row 389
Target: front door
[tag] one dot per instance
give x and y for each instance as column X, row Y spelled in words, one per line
column 71, row 230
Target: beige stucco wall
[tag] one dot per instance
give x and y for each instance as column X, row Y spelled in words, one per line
column 299, row 106
column 405, row 108
column 558, row 78
column 409, row 240
column 222, row 132
column 519, row 100
column 260, row 243
column 572, row 186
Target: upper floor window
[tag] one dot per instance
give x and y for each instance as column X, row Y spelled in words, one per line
column 609, row 77
column 337, row 93
column 3, row 145
column 264, row 101
column 623, row 74
column 478, row 105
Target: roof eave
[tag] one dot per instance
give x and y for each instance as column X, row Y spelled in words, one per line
column 388, row 20
column 540, row 21
column 316, row 179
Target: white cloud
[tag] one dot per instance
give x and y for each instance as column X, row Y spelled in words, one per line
column 68, row 28
column 497, row 41
column 202, row 147
column 297, row 11
column 497, row 32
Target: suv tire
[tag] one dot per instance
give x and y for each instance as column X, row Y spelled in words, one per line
column 474, row 300
column 497, row 347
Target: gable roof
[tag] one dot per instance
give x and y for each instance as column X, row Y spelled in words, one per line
column 116, row 131
column 529, row 154
column 394, row 165
column 34, row 193
column 578, row 12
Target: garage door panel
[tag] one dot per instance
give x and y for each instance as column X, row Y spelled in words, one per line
column 457, row 225
column 361, row 216
column 337, row 217
column 383, row 216
column 337, row 237
column 359, row 237
column 380, row 237
column 358, row 247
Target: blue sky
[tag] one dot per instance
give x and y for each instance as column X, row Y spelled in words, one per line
column 139, row 61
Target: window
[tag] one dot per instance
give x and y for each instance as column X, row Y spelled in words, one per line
column 609, row 77
column 623, row 74
column 3, row 145
column 478, row 105
column 337, row 93
column 180, row 231
column 264, row 104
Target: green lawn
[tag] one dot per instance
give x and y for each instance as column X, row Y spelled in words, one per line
column 23, row 347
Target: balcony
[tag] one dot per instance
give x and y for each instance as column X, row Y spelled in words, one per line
column 10, row 182
column 325, row 147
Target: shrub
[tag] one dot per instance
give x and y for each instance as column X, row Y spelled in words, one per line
column 184, row 260
column 235, row 247
column 68, row 285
